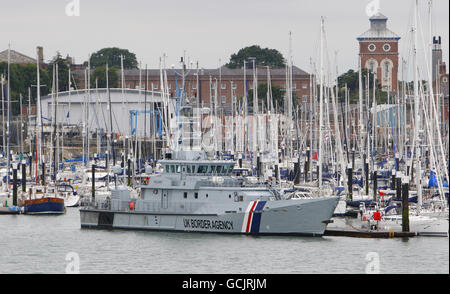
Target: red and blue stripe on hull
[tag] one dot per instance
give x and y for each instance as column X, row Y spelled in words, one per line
column 252, row 217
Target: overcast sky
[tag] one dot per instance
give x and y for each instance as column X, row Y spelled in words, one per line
column 207, row 30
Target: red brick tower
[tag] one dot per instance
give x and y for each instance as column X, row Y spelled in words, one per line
column 378, row 50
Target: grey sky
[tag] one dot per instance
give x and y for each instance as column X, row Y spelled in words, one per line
column 208, row 30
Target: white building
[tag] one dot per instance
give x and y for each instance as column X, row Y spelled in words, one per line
column 127, row 113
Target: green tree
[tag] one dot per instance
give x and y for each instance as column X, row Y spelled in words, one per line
column 63, row 72
column 99, row 75
column 351, row 80
column 277, row 95
column 266, row 56
column 111, row 56
column 23, row 77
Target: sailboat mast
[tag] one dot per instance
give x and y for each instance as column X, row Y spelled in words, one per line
column 8, row 115
column 321, row 103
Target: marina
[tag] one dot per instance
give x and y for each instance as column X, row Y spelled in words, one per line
column 109, row 161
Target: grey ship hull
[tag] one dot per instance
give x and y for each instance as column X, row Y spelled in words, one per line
column 302, row 217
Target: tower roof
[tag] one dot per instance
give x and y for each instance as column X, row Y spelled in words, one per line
column 378, row 16
column 378, row 29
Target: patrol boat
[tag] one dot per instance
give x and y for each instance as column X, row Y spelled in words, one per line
column 195, row 194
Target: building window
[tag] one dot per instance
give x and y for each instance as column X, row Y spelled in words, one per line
column 194, row 86
column 372, row 47
column 155, row 86
column 305, row 98
column 444, row 80
column 223, row 86
column 213, row 86
column 294, row 86
column 386, row 70
column 223, row 99
column 170, row 86
column 386, row 47
column 233, row 86
column 305, row 86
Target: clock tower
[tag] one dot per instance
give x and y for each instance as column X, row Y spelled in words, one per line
column 378, row 51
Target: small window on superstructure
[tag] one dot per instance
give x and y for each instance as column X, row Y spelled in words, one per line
column 178, row 168
column 196, row 195
column 219, row 169
column 188, row 169
column 185, row 195
column 172, row 168
column 167, row 169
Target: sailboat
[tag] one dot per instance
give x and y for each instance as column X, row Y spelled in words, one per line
column 42, row 200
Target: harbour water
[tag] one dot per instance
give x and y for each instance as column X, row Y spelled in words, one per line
column 53, row 244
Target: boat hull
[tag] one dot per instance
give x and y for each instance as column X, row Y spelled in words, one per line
column 284, row 217
column 45, row 205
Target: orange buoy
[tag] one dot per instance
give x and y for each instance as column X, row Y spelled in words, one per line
column 131, row 206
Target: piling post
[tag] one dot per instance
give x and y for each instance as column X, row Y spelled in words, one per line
column 14, row 184
column 258, row 166
column 399, row 185
column 397, row 161
column 375, row 183
column 393, row 180
column 366, row 172
column 405, row 205
column 297, row 172
column 31, row 164
column 307, row 162
column 350, row 182
column 93, row 183
column 43, row 173
column 129, row 171
column 24, row 176
column 277, row 173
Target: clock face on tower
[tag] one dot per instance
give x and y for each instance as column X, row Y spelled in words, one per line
column 386, row 47
column 372, row 47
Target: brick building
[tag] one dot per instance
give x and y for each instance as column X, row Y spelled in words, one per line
column 440, row 78
column 378, row 51
column 201, row 83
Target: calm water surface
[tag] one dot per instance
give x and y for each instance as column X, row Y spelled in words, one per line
column 45, row 244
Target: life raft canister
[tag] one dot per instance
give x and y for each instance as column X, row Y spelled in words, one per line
column 131, row 206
